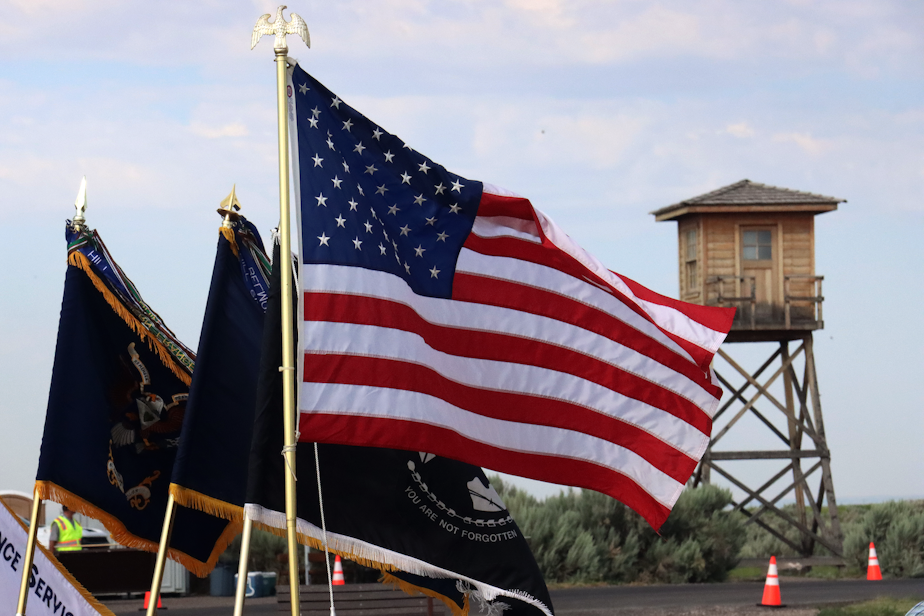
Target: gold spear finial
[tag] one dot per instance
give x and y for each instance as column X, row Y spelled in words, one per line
column 227, row 207
column 81, row 204
column 280, row 29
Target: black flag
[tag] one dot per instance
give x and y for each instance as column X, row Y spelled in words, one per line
column 434, row 525
column 115, row 409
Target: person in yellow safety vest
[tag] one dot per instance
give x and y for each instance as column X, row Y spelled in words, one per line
column 65, row 532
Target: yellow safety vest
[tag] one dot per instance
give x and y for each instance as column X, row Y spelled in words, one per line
column 69, row 534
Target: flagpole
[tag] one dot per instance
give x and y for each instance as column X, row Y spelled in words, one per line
column 161, row 556
column 242, row 566
column 279, row 28
column 30, row 555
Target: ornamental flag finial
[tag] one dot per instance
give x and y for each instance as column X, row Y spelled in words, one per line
column 81, row 204
column 280, row 28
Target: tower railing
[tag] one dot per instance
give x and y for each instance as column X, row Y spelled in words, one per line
column 734, row 301
column 801, row 305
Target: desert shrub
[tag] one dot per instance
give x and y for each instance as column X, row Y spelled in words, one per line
column 897, row 529
column 583, row 536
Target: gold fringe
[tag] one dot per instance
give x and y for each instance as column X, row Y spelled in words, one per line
column 80, row 261
column 207, row 504
column 413, row 590
column 46, row 490
column 94, row 603
column 229, row 235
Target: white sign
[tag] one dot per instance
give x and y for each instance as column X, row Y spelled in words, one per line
column 52, row 590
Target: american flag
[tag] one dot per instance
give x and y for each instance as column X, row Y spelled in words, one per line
column 447, row 316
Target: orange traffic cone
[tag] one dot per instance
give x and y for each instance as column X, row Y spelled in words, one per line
column 338, row 573
column 771, row 587
column 872, row 571
column 147, row 602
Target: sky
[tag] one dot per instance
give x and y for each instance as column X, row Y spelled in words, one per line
column 598, row 111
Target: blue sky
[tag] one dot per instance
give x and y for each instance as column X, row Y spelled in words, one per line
column 599, row 112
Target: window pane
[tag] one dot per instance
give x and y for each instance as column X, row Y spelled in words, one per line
column 750, row 238
column 763, row 238
column 763, row 253
column 691, row 244
column 750, row 253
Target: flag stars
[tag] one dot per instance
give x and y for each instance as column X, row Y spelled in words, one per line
column 381, row 190
column 404, row 231
column 434, row 273
column 371, row 169
column 313, row 122
column 457, row 186
column 347, row 124
column 381, row 249
column 317, row 161
column 439, row 188
column 407, row 267
column 419, row 199
column 405, row 178
column 377, row 134
column 315, row 112
column 337, row 181
column 330, row 143
column 388, row 156
column 441, row 237
column 419, row 251
column 322, row 200
column 393, row 210
column 352, row 203
column 341, row 221
column 303, row 88
column 360, row 189
column 357, row 243
column 323, row 237
column 368, row 226
column 423, row 167
column 336, row 102
column 431, row 221
column 346, row 167
column 454, row 208
column 359, row 148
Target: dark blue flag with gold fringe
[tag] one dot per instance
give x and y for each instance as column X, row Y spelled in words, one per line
column 116, row 407
column 211, row 466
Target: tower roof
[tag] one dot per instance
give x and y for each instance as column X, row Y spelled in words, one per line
column 748, row 196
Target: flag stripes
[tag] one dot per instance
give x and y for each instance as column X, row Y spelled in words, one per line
column 542, row 361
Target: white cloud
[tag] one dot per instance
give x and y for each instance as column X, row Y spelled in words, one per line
column 741, row 130
column 234, row 129
column 805, row 141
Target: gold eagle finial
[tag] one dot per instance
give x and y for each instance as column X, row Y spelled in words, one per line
column 280, row 28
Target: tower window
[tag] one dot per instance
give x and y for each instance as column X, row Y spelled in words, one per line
column 691, row 269
column 758, row 245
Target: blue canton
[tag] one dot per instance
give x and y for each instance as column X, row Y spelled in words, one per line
column 369, row 200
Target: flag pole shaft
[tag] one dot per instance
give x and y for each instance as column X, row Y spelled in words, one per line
column 161, row 555
column 288, row 345
column 30, row 555
column 242, row 567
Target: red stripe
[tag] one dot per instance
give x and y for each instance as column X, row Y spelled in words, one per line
column 514, row 207
column 396, row 434
column 491, row 291
column 503, row 348
column 536, row 410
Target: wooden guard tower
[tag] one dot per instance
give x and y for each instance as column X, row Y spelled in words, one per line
column 752, row 247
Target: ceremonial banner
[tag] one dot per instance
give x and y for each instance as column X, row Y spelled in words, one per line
column 211, row 466
column 434, row 525
column 115, row 411
column 52, row 590
column 447, row 316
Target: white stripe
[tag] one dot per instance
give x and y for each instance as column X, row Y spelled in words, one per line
column 362, row 401
column 670, row 319
column 560, row 283
column 481, row 317
column 506, row 226
column 371, row 552
column 385, row 343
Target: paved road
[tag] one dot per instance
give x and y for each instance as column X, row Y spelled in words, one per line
column 736, row 598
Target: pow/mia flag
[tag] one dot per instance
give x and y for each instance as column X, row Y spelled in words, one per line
column 115, row 410
column 434, row 525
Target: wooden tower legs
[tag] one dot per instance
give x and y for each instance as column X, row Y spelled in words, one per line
column 813, row 520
